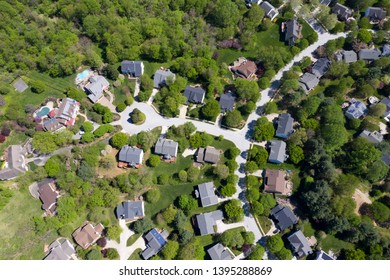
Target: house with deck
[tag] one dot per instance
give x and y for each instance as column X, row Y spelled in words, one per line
column 292, row 31
column 220, row 253
column 162, row 76
column 244, row 68
column 63, row 116
column 48, row 194
column 375, row 14
column 277, row 152
column 95, row 88
column 275, row 182
column 207, row 222
column 155, row 240
column 299, row 244
column 283, row 217
column 60, row 250
column 208, row 154
column 167, row 148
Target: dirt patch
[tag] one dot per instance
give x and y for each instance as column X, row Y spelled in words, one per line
column 360, row 198
column 271, row 117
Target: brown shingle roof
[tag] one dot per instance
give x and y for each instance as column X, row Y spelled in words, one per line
column 275, row 181
column 87, row 234
column 246, row 69
column 48, row 195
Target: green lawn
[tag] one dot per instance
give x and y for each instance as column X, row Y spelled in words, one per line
column 265, row 223
column 135, row 256
column 121, row 92
column 308, row 230
column 151, row 67
column 330, row 242
column 306, row 30
column 16, row 229
column 54, row 85
column 132, row 239
column 284, row 166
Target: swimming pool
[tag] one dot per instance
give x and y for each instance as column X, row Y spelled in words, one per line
column 43, row 112
column 83, row 75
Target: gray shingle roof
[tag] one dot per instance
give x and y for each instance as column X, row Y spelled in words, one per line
column 20, row 85
column 349, row 56
column 130, row 210
column 386, row 50
column 269, row 10
column 226, row 102
column 292, row 31
column 60, row 250
column 133, row 156
column 285, row 126
column 207, row 221
column 207, row 194
column 16, row 163
column 322, row 256
column 166, row 147
column 134, row 68
column 95, row 87
column 375, row 13
column 373, row 137
column 278, row 152
column 308, row 82
column 194, row 94
column 299, row 244
column 369, row 54
column 160, row 77
column 284, row 216
column 320, row 67
column 155, row 241
column 325, row 2
column 219, row 252
column 386, row 158
column 386, row 101
column 356, row 110
column 342, row 12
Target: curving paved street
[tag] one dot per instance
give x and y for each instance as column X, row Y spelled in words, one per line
column 241, row 138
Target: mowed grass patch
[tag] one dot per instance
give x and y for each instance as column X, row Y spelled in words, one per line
column 331, row 242
column 121, row 93
column 132, row 239
column 14, row 139
column 135, row 256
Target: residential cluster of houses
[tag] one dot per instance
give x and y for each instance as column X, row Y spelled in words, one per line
column 344, row 13
column 62, row 117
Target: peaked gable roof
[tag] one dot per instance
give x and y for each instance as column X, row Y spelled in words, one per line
column 194, row 94
column 87, row 234
column 130, row 210
column 342, row 12
column 134, row 68
column 349, row 56
column 48, row 194
column 278, row 152
column 207, row 194
column 269, row 10
column 370, row 55
column 292, row 31
column 285, row 126
column 308, row 82
column 220, row 252
column 95, row 87
column 166, row 147
column 356, row 110
column 375, row 13
column 299, row 244
column 320, row 67
column 155, row 241
column 284, row 216
column 207, row 221
column 226, row 102
column 16, row 163
column 275, row 181
column 161, row 76
column 133, row 156
column 60, row 250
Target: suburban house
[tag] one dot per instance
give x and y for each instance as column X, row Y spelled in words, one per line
column 194, row 94
column 374, row 137
column 87, row 234
column 60, row 250
column 325, row 2
column 275, row 182
column 132, row 68
column 129, row 156
column 269, row 10
column 285, row 126
column 15, row 163
column 48, row 195
column 356, row 109
column 347, row 56
column 206, row 194
column 208, row 154
column 226, row 102
column 322, row 256
column 375, row 14
column 386, row 50
column 320, row 67
column 292, row 29
column 386, row 115
column 155, row 241
column 299, row 244
column 20, row 85
column 130, row 210
column 369, row 55
column 244, row 68
column 283, row 216
column 167, row 148
column 220, row 252
column 97, row 84
column 343, row 12
column 63, row 116
column 161, row 76
column 208, row 221
column 278, row 152
column 308, row 82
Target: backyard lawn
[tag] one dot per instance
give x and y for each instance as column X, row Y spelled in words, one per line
column 331, row 242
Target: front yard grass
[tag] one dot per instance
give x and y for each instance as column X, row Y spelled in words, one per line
column 135, row 256
column 123, row 91
column 265, row 223
column 132, row 239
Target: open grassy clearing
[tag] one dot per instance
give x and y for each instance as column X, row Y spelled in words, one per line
column 331, row 242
